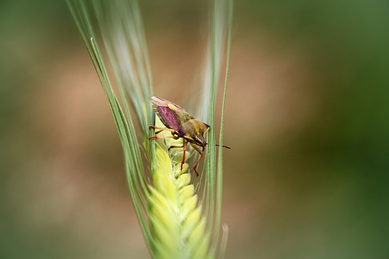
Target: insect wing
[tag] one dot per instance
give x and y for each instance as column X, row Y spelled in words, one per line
column 168, row 112
column 164, row 103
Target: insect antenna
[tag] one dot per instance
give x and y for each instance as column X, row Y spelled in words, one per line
column 228, row 147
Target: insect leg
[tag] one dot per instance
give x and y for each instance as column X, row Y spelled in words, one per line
column 159, row 130
column 183, row 156
column 174, row 147
column 198, row 160
column 184, row 149
column 161, row 137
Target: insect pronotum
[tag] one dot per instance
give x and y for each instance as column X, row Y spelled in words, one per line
column 181, row 124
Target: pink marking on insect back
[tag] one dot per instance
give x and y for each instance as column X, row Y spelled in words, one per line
column 168, row 117
column 165, row 103
column 159, row 101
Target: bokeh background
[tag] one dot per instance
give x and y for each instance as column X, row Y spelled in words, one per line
column 307, row 116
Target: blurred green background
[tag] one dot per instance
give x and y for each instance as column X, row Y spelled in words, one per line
column 307, row 116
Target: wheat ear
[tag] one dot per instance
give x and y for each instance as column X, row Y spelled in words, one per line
column 177, row 224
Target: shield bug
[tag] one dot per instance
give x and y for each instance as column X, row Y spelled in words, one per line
column 181, row 124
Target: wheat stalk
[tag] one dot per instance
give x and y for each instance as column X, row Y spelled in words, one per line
column 175, row 222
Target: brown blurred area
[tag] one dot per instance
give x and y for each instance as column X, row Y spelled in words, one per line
column 306, row 116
